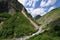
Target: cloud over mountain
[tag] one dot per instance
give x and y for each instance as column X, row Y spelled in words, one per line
column 49, row 2
column 44, row 6
column 38, row 11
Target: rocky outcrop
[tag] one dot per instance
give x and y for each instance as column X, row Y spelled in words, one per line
column 6, row 5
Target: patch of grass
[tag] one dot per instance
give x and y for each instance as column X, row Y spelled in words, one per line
column 23, row 26
column 4, row 16
column 16, row 26
column 45, row 36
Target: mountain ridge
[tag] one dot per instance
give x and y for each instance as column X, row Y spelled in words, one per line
column 51, row 25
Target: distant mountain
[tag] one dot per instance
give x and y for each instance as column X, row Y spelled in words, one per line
column 51, row 24
column 50, row 16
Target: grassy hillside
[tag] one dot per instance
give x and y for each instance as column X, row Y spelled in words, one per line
column 53, row 32
column 16, row 26
column 13, row 24
column 52, row 21
column 50, row 16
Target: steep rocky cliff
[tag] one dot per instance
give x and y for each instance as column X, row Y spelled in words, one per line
column 6, row 5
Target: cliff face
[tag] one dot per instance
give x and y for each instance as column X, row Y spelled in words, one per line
column 6, row 5
column 10, row 7
column 3, row 6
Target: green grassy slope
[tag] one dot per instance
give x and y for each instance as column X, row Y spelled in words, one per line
column 53, row 32
column 16, row 26
column 13, row 23
column 50, row 16
column 52, row 27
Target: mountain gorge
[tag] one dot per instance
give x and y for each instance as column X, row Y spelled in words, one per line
column 13, row 24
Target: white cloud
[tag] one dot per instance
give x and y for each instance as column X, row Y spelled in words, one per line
column 30, row 10
column 32, row 3
column 42, row 3
column 29, row 2
column 38, row 11
column 50, row 2
column 51, row 8
column 22, row 1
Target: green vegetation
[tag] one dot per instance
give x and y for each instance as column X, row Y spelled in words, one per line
column 4, row 16
column 53, row 32
column 23, row 26
column 16, row 26
column 13, row 23
column 51, row 22
column 45, row 36
column 50, row 16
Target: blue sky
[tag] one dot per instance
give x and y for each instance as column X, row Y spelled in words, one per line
column 39, row 7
